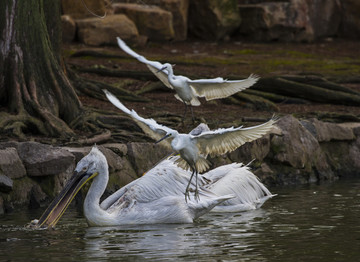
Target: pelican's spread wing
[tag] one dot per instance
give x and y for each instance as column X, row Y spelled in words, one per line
column 225, row 140
column 154, row 66
column 220, row 88
column 238, row 180
column 149, row 126
column 159, row 195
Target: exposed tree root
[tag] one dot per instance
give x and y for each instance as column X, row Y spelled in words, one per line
column 94, row 89
column 103, row 137
column 320, row 94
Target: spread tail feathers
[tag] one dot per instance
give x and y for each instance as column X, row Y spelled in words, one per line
column 201, row 165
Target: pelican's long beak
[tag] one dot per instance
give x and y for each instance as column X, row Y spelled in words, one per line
column 57, row 208
column 166, row 136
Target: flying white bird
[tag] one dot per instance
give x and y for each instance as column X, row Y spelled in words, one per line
column 155, row 197
column 188, row 90
column 199, row 143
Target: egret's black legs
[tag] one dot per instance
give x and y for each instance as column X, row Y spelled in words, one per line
column 187, row 190
column 185, row 111
column 192, row 113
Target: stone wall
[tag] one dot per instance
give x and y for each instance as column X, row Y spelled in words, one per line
column 306, row 151
column 165, row 20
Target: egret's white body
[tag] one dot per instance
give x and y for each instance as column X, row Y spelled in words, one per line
column 188, row 90
column 157, row 197
column 192, row 148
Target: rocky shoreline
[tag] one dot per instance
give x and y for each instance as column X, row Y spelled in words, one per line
column 295, row 152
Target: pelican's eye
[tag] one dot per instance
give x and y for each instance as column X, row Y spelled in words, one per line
column 84, row 168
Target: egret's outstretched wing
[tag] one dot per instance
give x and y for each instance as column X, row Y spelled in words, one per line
column 225, row 140
column 149, row 126
column 154, row 66
column 219, row 88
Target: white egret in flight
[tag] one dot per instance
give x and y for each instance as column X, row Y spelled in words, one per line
column 197, row 145
column 188, row 90
column 157, row 196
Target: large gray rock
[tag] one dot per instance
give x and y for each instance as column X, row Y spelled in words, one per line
column 77, row 9
column 324, row 131
column 298, row 149
column 270, row 21
column 324, row 16
column 6, row 184
column 21, row 192
column 256, row 150
column 121, row 171
column 10, row 163
column 96, row 32
column 44, row 160
column 2, row 208
column 143, row 156
column 151, row 21
column 354, row 154
column 178, row 9
column 350, row 24
column 213, row 19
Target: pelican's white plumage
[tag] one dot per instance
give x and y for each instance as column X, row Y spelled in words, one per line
column 194, row 149
column 188, row 90
column 157, row 197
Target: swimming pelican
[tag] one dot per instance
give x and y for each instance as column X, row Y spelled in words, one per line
column 194, row 147
column 188, row 90
column 156, row 197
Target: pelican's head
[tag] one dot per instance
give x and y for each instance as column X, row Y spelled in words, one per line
column 87, row 168
column 199, row 129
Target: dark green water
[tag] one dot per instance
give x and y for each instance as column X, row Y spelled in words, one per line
column 307, row 223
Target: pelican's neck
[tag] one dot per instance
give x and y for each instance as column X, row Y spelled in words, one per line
column 92, row 210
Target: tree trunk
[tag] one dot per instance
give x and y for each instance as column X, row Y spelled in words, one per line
column 35, row 94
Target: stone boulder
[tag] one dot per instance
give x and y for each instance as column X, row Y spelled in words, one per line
column 213, row 19
column 350, row 23
column 68, row 27
column 151, row 21
column 77, row 9
column 96, row 32
column 120, row 170
column 324, row 17
column 6, row 184
column 2, row 208
column 44, row 160
column 25, row 191
column 10, row 163
column 354, row 152
column 325, row 132
column 179, row 11
column 144, row 156
column 256, row 150
column 298, row 149
column 276, row 21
